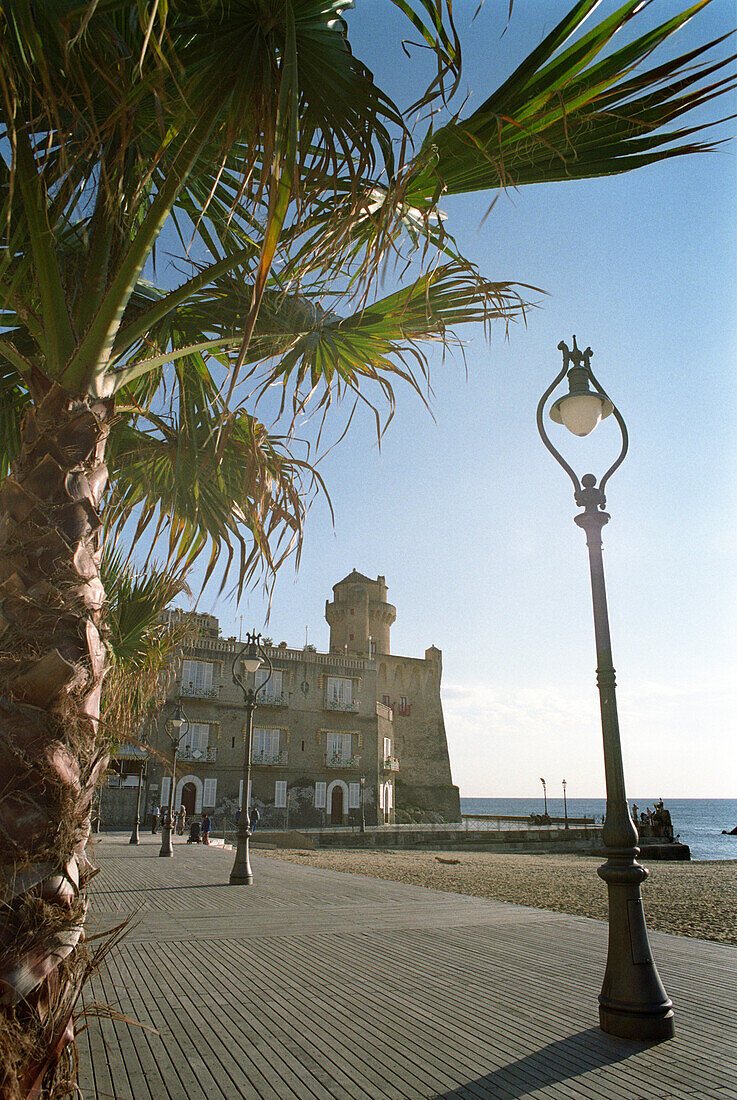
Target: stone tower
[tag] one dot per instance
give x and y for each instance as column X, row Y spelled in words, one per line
column 359, row 616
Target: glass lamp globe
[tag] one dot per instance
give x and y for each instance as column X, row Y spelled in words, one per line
column 252, row 658
column 580, row 412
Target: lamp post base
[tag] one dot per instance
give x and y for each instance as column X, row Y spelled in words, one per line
column 633, row 1003
column 167, row 848
column 242, row 875
column 134, row 835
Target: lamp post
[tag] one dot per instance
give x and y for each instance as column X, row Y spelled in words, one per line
column 253, row 655
column 175, row 737
column 565, row 804
column 134, row 835
column 545, row 796
column 363, row 811
column 633, row 1003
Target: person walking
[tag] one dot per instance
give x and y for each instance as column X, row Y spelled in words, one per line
column 206, row 826
column 155, row 815
column 181, row 820
column 255, row 818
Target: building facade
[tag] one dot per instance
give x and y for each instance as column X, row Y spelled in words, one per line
column 340, row 736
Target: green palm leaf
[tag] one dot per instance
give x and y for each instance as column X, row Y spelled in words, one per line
column 565, row 115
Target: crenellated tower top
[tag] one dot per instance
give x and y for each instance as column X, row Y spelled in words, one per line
column 359, row 616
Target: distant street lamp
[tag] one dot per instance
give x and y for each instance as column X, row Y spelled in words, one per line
column 545, row 796
column 565, row 804
column 179, row 729
column 141, row 771
column 633, row 1003
column 363, row 810
column 253, row 656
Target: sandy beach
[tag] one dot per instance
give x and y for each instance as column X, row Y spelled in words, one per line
column 688, row 899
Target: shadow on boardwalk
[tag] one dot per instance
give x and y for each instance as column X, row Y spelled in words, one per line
column 315, row 985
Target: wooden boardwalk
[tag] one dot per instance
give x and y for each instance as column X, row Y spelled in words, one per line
column 321, row 986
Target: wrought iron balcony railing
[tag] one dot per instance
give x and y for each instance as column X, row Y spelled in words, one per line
column 391, row 764
column 208, row 755
column 272, row 759
column 270, row 699
column 337, row 760
column 342, row 705
column 195, row 691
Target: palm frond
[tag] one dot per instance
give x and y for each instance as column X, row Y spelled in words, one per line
column 564, row 114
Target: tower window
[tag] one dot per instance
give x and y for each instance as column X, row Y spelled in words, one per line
column 303, row 746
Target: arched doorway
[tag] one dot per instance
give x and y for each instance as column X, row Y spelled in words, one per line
column 189, row 798
column 336, row 806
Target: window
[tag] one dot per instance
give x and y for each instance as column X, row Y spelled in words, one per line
column 303, row 746
column 321, row 791
column 403, row 706
column 372, row 647
column 339, row 748
column 387, row 748
column 351, row 611
column 381, row 796
column 265, row 748
column 274, row 688
column 351, row 638
column 208, row 798
column 386, row 701
column 197, row 739
column 388, row 798
column 340, row 691
column 354, row 796
column 280, row 793
column 196, row 677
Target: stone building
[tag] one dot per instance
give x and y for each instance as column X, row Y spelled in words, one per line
column 336, row 734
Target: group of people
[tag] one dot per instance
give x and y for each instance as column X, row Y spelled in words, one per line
column 655, row 822
column 160, row 817
column 200, row 834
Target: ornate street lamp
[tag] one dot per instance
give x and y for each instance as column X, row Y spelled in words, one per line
column 179, row 727
column 141, row 772
column 545, row 796
column 565, row 804
column 633, row 1003
column 363, row 809
column 253, row 656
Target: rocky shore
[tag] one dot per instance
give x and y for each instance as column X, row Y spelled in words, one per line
column 688, row 899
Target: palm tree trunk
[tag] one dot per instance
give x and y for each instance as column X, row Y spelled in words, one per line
column 52, row 752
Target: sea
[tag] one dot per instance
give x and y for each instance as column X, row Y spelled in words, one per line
column 698, row 821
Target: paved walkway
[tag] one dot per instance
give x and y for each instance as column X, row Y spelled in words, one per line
column 322, row 986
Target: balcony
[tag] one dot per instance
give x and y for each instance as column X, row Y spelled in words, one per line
column 193, row 691
column 207, row 755
column 391, row 764
column 271, row 759
column 342, row 705
column 270, row 699
column 384, row 711
column 336, row 760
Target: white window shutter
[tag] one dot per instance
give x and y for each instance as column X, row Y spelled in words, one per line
column 209, row 797
column 354, row 800
column 165, row 787
column 280, row 793
column 381, row 796
column 320, row 795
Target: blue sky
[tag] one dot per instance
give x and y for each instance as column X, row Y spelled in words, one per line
column 471, row 521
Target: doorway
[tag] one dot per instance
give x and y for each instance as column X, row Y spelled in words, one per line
column 189, row 798
column 336, row 806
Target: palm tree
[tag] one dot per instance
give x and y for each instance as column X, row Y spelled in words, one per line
column 247, row 136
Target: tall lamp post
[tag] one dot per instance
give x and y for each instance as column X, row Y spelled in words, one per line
column 179, row 728
column 363, row 808
column 141, row 772
column 565, row 804
column 633, row 1003
column 253, row 656
column 545, row 796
